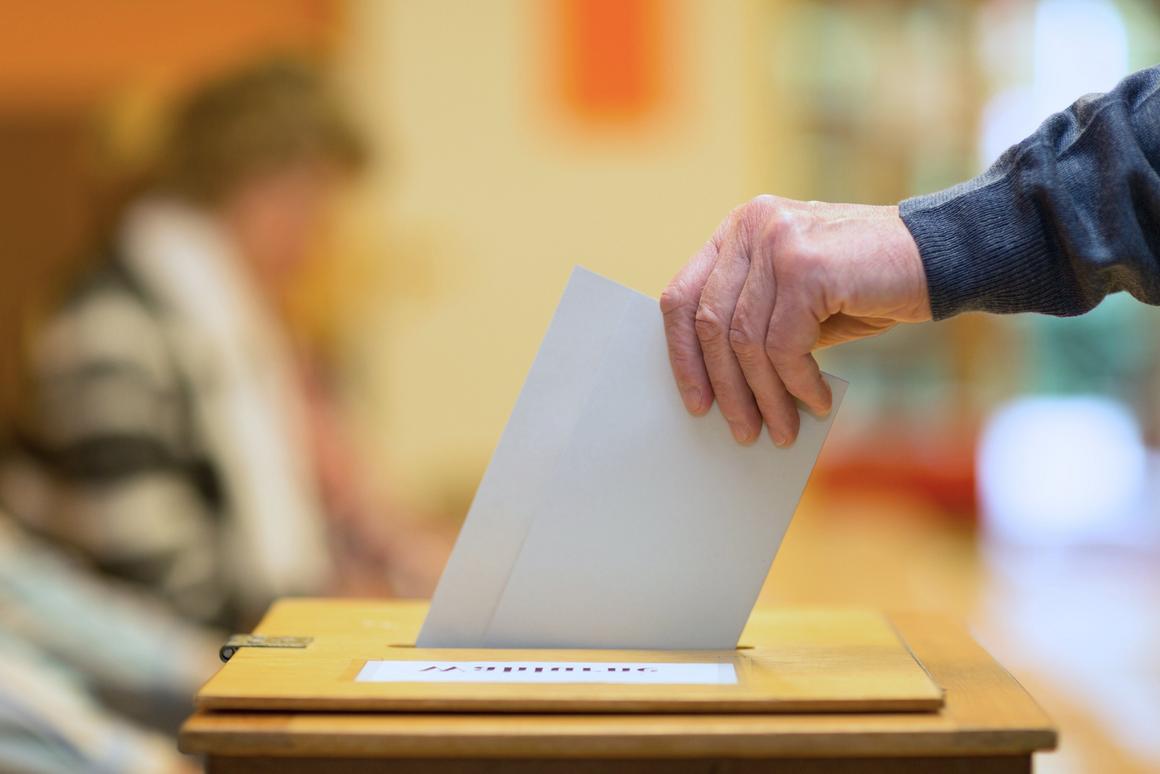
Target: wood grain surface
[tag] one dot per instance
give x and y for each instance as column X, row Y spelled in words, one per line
column 1005, row 764
column 792, row 660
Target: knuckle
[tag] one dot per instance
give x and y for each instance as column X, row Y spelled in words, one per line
column 747, row 219
column 742, row 341
column 750, row 219
column 773, row 224
column 675, row 298
column 775, row 346
column 709, row 324
column 744, row 338
column 761, row 207
column 785, row 225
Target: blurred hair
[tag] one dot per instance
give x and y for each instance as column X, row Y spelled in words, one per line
column 255, row 121
column 248, row 122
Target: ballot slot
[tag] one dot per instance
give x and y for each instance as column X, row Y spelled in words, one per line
column 739, row 646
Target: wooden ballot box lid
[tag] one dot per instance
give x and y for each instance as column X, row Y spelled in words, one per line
column 987, row 716
column 359, row 655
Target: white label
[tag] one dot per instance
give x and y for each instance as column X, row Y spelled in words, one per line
column 620, row 673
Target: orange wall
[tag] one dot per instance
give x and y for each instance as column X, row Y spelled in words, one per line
column 69, row 52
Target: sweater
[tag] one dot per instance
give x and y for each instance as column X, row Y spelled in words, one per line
column 1062, row 219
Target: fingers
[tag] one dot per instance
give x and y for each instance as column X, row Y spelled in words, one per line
column 713, row 321
column 679, row 304
column 793, row 333
column 742, row 318
column 748, row 335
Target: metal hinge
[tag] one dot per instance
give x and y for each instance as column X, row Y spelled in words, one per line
column 258, row 641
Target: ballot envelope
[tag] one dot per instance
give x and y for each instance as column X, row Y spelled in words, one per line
column 609, row 517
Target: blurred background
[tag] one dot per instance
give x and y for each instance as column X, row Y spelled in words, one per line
column 441, row 167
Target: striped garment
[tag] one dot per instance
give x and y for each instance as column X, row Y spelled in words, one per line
column 94, row 675
column 167, row 445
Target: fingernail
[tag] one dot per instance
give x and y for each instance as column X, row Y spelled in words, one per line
column 740, row 432
column 779, row 439
column 692, row 398
column 829, row 400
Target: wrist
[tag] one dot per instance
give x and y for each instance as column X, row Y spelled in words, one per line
column 906, row 255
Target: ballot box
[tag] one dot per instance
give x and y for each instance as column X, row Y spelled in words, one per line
column 338, row 685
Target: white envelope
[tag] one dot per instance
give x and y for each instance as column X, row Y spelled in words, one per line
column 609, row 517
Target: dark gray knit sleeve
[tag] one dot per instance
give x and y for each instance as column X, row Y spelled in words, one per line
column 1062, row 219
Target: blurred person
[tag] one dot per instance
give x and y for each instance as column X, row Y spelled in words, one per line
column 1062, row 219
column 70, row 643
column 175, row 437
column 180, row 459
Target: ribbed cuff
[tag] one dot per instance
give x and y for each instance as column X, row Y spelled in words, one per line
column 984, row 249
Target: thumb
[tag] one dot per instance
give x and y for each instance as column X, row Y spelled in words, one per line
column 841, row 328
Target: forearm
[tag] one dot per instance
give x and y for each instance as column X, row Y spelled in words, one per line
column 1064, row 218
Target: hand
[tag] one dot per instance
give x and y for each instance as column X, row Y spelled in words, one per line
column 778, row 279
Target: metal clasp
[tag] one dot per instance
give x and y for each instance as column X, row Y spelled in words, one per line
column 260, row 641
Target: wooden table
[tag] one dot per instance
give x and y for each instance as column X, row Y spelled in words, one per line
column 989, row 724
